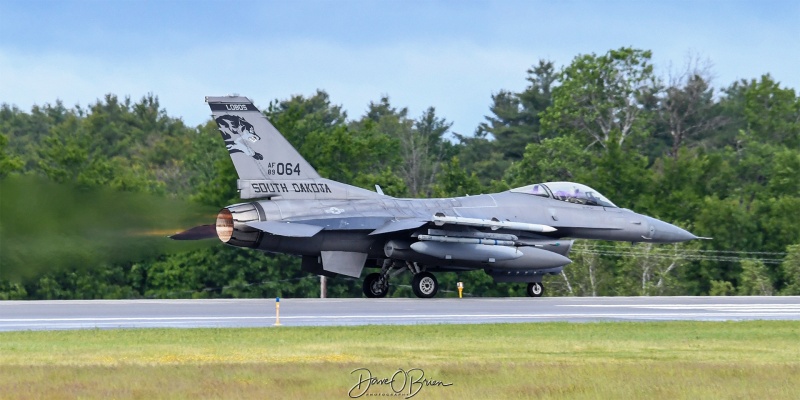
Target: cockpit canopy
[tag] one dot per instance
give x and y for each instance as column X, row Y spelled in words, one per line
column 567, row 191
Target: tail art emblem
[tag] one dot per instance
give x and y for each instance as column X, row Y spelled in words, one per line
column 235, row 130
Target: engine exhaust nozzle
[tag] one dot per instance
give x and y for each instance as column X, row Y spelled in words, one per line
column 225, row 225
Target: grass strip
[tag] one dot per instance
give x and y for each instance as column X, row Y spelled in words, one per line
column 540, row 360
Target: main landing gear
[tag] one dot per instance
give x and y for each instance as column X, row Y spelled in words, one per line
column 424, row 284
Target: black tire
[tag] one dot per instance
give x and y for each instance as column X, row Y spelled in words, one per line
column 373, row 288
column 425, row 285
column 535, row 289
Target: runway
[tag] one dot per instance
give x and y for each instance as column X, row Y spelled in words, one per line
column 106, row 314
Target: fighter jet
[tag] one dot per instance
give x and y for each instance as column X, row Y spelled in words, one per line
column 518, row 235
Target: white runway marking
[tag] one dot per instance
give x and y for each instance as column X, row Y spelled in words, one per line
column 54, row 315
column 408, row 316
column 795, row 307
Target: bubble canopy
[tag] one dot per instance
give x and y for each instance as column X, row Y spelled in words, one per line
column 567, row 191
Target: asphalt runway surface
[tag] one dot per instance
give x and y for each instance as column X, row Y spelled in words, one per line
column 106, row 314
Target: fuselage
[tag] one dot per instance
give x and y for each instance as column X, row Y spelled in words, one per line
column 347, row 223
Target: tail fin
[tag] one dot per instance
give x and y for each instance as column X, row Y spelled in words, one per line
column 267, row 164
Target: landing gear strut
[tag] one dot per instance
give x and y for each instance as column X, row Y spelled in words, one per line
column 425, row 285
column 376, row 285
column 535, row 289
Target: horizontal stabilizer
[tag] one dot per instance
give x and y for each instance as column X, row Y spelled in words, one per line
column 399, row 225
column 343, row 262
column 288, row 229
column 197, row 233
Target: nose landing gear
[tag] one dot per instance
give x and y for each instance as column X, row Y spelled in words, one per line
column 376, row 286
column 535, row 289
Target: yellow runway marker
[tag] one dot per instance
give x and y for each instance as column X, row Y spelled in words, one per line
column 277, row 311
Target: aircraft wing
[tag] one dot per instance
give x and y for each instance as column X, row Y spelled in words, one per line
column 398, row 225
column 440, row 220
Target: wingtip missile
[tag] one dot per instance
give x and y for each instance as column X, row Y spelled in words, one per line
column 494, row 224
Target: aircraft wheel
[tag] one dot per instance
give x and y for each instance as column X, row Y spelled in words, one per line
column 425, row 285
column 535, row 289
column 375, row 286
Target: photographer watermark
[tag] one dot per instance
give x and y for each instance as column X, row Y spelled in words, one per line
column 405, row 383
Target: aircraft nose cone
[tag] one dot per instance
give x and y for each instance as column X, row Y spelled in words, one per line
column 662, row 232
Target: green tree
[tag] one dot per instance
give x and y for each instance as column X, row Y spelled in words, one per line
column 8, row 163
column 420, row 143
column 556, row 159
column 66, row 156
column 686, row 108
column 601, row 98
column 772, row 113
column 223, row 271
column 26, row 131
column 304, row 121
column 733, row 229
column 620, row 175
column 12, row 291
column 221, row 189
column 389, row 182
column 721, row 288
column 337, row 150
column 679, row 184
column 514, row 122
column 424, row 150
column 119, row 144
column 479, row 156
column 589, row 274
column 650, row 270
column 790, row 269
column 755, row 279
column 455, row 181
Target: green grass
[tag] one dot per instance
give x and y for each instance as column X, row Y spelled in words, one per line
column 542, row 360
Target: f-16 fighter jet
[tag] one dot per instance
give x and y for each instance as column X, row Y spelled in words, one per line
column 518, row 235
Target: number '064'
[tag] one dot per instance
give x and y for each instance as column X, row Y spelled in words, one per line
column 286, row 169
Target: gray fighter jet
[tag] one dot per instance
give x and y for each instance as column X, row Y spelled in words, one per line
column 518, row 235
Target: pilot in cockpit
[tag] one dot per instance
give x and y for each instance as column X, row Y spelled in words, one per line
column 567, row 191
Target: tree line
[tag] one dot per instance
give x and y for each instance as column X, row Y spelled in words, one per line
column 720, row 163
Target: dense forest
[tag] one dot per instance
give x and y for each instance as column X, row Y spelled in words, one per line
column 88, row 195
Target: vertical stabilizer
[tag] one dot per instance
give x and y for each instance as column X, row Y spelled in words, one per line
column 267, row 164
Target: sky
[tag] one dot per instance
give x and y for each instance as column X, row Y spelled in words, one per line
column 452, row 55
